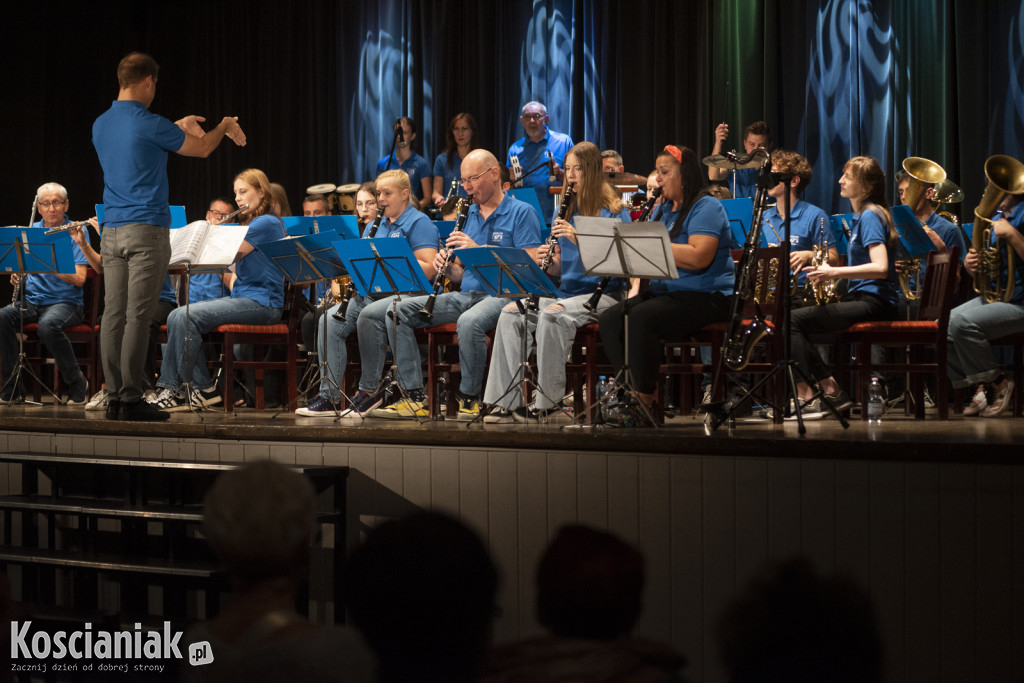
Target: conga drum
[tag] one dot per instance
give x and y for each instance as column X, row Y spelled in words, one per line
column 347, row 198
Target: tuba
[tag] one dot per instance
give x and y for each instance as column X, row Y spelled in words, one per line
column 1005, row 176
column 922, row 173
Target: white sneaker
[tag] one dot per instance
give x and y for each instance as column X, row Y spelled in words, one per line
column 98, row 400
column 977, row 404
column 163, row 396
column 149, row 395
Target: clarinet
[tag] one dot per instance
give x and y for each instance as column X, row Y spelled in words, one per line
column 563, row 209
column 347, row 292
column 645, row 214
column 460, row 222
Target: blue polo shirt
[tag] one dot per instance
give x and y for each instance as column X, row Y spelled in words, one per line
column 446, row 173
column 532, row 154
column 805, row 230
column 573, row 282
column 257, row 276
column 869, row 229
column 205, row 286
column 414, row 226
column 512, row 224
column 132, row 144
column 706, row 217
column 45, row 289
column 415, row 166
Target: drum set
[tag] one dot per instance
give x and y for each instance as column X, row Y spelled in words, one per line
column 341, row 199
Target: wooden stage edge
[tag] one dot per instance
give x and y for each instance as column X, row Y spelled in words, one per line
column 898, row 438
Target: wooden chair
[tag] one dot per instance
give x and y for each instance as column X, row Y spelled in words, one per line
column 927, row 332
column 85, row 337
column 286, row 334
column 443, row 360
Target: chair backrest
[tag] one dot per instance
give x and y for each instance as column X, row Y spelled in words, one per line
column 92, row 299
column 939, row 285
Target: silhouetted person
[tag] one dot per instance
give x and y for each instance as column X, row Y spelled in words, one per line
column 792, row 625
column 421, row 589
column 259, row 522
column 589, row 589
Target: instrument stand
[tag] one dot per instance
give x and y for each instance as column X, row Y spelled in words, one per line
column 720, row 412
column 48, row 263
column 517, row 279
column 382, row 267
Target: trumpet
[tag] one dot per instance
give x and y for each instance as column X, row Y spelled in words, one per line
column 463, row 213
column 545, row 263
column 1005, row 176
column 922, row 173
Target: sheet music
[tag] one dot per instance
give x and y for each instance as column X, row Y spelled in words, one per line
column 202, row 245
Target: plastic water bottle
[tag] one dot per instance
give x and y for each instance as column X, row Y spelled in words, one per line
column 876, row 402
column 602, row 387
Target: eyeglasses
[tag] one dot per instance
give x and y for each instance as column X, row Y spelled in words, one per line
column 216, row 214
column 533, row 117
column 474, row 178
column 53, row 205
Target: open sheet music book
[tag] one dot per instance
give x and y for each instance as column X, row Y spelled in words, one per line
column 202, row 245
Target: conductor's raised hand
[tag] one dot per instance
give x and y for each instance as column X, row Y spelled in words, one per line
column 190, row 124
column 234, row 131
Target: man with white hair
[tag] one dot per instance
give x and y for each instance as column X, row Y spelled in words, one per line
column 55, row 301
column 541, row 152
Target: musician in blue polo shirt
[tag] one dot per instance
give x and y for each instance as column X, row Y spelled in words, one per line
column 538, row 146
column 54, row 301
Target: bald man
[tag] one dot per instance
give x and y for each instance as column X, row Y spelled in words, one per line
column 495, row 219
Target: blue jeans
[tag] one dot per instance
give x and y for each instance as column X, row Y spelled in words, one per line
column 475, row 314
column 203, row 317
column 969, row 359
column 332, row 348
column 52, row 320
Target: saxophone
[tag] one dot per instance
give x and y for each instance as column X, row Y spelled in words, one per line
column 823, row 291
column 743, row 337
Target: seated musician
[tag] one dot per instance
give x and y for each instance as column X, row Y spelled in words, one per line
column 313, row 206
column 460, row 140
column 872, row 292
column 611, row 162
column 55, row 301
column 972, row 325
column 496, row 219
column 757, row 134
column 257, row 298
column 401, row 219
column 405, row 158
column 701, row 237
column 555, row 321
column 809, row 226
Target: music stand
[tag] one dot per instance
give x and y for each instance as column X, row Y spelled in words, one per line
column 24, row 251
column 306, row 260
column 611, row 248
column 510, row 273
column 382, row 267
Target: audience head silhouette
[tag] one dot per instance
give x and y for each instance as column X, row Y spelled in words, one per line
column 794, row 625
column 422, row 589
column 589, row 584
column 259, row 521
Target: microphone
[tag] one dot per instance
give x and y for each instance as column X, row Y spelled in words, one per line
column 400, row 132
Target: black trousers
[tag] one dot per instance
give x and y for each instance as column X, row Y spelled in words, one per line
column 830, row 318
column 653, row 319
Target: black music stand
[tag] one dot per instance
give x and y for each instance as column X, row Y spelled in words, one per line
column 608, row 248
column 382, row 267
column 510, row 273
column 722, row 411
column 24, row 251
column 306, row 260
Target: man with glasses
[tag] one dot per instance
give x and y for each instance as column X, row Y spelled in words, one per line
column 495, row 219
column 55, row 301
column 540, row 153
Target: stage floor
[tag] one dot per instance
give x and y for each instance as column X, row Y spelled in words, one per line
column 972, row 440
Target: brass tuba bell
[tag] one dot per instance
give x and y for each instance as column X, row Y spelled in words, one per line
column 923, row 173
column 1005, row 176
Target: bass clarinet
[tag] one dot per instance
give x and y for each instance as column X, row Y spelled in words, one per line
column 563, row 210
column 348, row 290
column 645, row 214
column 462, row 206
